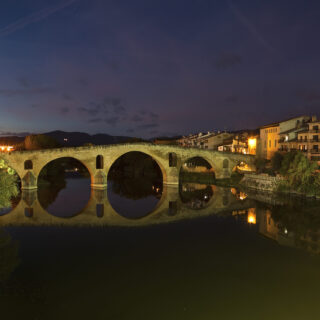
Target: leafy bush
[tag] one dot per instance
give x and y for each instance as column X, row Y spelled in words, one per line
column 8, row 184
column 260, row 164
column 300, row 173
column 276, row 161
column 40, row 141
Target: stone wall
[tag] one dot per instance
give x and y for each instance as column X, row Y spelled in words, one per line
column 262, row 182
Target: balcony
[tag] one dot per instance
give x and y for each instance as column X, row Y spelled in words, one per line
column 308, row 140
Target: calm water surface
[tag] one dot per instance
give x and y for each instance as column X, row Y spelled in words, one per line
column 133, row 252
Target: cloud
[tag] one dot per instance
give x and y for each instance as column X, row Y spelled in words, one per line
column 153, row 115
column 83, row 82
column 232, row 99
column 227, row 60
column 25, row 92
column 24, row 82
column 95, row 120
column 33, row 18
column 66, row 96
column 147, row 126
column 112, row 121
column 103, row 107
column 136, row 118
column 250, row 26
column 64, row 110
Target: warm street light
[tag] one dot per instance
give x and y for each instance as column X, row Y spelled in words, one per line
column 6, row 148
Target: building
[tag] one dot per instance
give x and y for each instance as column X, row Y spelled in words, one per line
column 209, row 140
column 281, row 136
column 289, row 130
column 236, row 144
column 308, row 141
column 269, row 137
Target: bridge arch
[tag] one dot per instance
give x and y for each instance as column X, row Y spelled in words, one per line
column 149, row 154
column 57, row 190
column 84, row 164
column 198, row 164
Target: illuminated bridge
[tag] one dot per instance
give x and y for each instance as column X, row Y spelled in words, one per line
column 99, row 159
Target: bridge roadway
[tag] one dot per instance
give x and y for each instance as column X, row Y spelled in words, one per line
column 99, row 159
column 99, row 212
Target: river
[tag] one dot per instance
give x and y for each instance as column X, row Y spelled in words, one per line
column 141, row 250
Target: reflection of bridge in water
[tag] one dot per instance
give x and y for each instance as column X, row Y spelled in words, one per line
column 99, row 211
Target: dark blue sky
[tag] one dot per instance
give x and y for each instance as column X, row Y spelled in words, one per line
column 147, row 68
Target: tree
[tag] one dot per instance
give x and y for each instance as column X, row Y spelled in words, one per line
column 8, row 184
column 276, row 161
column 40, row 141
column 301, row 174
column 287, row 159
column 260, row 164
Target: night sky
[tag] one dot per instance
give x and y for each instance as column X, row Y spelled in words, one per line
column 147, row 68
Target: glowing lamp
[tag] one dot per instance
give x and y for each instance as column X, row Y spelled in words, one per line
column 6, row 148
column 252, row 219
column 252, row 142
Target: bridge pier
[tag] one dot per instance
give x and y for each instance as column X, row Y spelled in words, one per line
column 171, row 177
column 223, row 174
column 99, row 180
column 29, row 181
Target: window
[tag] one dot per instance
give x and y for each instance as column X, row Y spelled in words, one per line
column 99, row 162
column 315, row 138
column 275, row 143
column 315, row 128
column 28, row 165
column 269, row 143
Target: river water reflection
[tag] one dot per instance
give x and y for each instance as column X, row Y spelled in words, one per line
column 141, row 250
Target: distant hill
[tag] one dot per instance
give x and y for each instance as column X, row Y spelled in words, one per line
column 10, row 141
column 76, row 139
column 73, row 139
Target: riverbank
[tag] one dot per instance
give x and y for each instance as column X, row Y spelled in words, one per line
column 276, row 185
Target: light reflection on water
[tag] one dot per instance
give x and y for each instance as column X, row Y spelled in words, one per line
column 218, row 266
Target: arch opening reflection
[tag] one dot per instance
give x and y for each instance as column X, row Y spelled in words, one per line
column 134, row 185
column 64, row 187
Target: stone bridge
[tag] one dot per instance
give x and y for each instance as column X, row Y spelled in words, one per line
column 99, row 159
column 99, row 212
